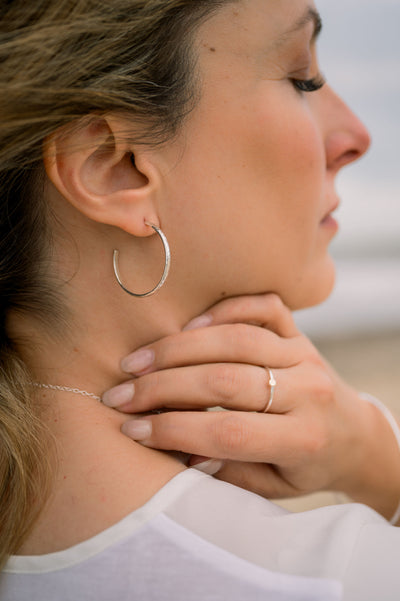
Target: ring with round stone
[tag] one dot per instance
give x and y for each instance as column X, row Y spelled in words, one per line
column 272, row 384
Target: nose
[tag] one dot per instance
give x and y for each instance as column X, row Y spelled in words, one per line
column 346, row 137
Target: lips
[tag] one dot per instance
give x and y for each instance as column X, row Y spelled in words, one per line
column 334, row 206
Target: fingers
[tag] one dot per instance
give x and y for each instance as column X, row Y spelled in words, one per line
column 233, row 386
column 260, row 478
column 232, row 343
column 265, row 310
column 220, row 434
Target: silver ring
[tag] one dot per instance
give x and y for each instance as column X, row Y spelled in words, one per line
column 272, row 384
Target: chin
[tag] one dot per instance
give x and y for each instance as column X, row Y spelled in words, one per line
column 314, row 290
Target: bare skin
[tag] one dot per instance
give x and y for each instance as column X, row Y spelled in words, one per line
column 100, row 478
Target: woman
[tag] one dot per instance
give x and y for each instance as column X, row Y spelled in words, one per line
column 195, row 116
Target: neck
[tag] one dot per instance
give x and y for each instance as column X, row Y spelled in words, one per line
column 88, row 354
column 96, row 465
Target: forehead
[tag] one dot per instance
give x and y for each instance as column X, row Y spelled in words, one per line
column 251, row 24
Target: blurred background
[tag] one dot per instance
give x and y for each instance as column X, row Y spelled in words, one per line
column 358, row 328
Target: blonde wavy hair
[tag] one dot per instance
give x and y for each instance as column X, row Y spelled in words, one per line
column 60, row 61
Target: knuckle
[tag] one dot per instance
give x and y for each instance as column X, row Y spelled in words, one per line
column 241, row 334
column 231, row 435
column 166, row 433
column 309, row 355
column 244, row 477
column 275, row 304
column 244, row 337
column 315, row 441
column 149, row 387
column 165, row 349
column 274, row 301
column 308, row 350
column 317, row 385
column 323, row 388
column 243, row 304
column 223, row 383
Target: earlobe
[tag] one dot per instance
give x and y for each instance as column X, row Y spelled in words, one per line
column 95, row 169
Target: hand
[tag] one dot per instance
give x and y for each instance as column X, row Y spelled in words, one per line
column 318, row 434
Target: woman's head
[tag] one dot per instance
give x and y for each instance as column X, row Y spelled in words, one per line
column 244, row 179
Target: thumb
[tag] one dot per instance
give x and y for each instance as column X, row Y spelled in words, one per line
column 260, row 478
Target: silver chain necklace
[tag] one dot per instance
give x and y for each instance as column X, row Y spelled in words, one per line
column 67, row 389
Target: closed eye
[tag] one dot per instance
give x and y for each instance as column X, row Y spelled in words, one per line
column 309, row 85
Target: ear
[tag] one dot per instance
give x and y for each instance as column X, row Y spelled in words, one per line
column 95, row 168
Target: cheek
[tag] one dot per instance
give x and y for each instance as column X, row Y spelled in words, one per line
column 286, row 168
column 287, row 147
column 254, row 147
column 250, row 185
column 269, row 140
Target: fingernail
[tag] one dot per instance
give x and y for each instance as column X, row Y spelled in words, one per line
column 137, row 429
column 137, row 361
column 199, row 322
column 119, row 395
column 210, row 467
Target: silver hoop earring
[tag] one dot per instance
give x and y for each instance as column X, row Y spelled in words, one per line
column 167, row 264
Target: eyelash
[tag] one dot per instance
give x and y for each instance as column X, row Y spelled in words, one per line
column 309, row 85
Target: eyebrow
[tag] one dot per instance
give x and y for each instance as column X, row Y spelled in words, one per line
column 310, row 16
column 313, row 16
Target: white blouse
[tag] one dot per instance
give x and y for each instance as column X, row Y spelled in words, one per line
column 201, row 539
